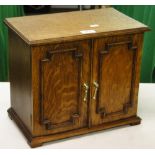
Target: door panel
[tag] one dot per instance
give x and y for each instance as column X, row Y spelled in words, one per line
column 61, row 88
column 63, row 69
column 114, row 60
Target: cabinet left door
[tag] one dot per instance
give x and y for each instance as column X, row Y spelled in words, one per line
column 60, row 82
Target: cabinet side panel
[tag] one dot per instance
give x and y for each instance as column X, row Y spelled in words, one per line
column 20, row 78
column 138, row 40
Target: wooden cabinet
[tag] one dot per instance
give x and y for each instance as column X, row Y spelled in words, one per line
column 69, row 79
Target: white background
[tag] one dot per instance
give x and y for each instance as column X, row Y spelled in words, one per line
column 78, row 2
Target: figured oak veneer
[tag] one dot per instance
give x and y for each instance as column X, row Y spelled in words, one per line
column 59, row 90
column 64, row 83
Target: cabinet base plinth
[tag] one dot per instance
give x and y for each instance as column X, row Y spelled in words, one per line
column 135, row 123
column 39, row 140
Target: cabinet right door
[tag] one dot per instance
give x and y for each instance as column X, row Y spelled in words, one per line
column 115, row 78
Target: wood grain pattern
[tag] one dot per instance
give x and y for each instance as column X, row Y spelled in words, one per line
column 65, row 26
column 65, row 68
column 115, row 75
column 61, row 87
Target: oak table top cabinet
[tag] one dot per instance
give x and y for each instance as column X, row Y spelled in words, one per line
column 74, row 73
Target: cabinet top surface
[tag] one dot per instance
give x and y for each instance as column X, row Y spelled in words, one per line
column 62, row 26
